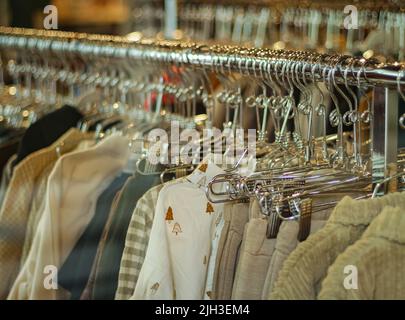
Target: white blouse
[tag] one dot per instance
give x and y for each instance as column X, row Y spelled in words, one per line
column 179, row 248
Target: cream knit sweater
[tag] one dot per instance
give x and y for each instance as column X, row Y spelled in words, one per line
column 306, row 267
column 379, row 257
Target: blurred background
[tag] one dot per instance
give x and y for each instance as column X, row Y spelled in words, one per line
column 289, row 24
column 95, row 16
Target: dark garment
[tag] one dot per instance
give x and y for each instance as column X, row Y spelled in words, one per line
column 88, row 291
column 47, row 130
column 75, row 271
column 106, row 281
column 8, row 134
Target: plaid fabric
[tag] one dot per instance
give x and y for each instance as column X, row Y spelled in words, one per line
column 36, row 209
column 17, row 203
column 136, row 243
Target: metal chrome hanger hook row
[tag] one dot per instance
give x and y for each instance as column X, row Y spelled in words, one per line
column 252, row 61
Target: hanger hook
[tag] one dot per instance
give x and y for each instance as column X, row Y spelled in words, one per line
column 280, row 215
column 400, row 75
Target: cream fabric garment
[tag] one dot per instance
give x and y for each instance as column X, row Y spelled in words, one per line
column 17, row 203
column 287, row 240
column 39, row 200
column 285, row 244
column 306, row 267
column 256, row 252
column 214, row 263
column 36, row 209
column 379, row 257
column 219, row 226
column 73, row 188
column 254, row 258
column 231, row 239
column 176, row 260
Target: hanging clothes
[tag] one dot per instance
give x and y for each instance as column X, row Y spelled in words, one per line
column 176, row 260
column 47, row 130
column 88, row 290
column 17, row 202
column 73, row 188
column 288, row 239
column 215, row 253
column 85, row 215
column 136, row 243
column 378, row 256
column 108, row 266
column 254, row 259
column 230, row 243
column 307, row 266
column 75, row 271
column 286, row 242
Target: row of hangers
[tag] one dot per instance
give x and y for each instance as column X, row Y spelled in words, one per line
column 282, row 25
column 117, row 95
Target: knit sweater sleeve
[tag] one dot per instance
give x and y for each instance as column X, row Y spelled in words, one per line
column 305, row 267
column 372, row 268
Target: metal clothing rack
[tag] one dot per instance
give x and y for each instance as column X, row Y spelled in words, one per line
column 247, row 61
column 386, row 79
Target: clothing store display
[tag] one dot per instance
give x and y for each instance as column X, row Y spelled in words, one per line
column 179, row 228
column 47, row 130
column 378, row 258
column 227, row 254
column 146, row 169
column 307, row 266
column 73, row 188
column 136, row 243
column 17, row 202
column 75, row 271
column 108, row 266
